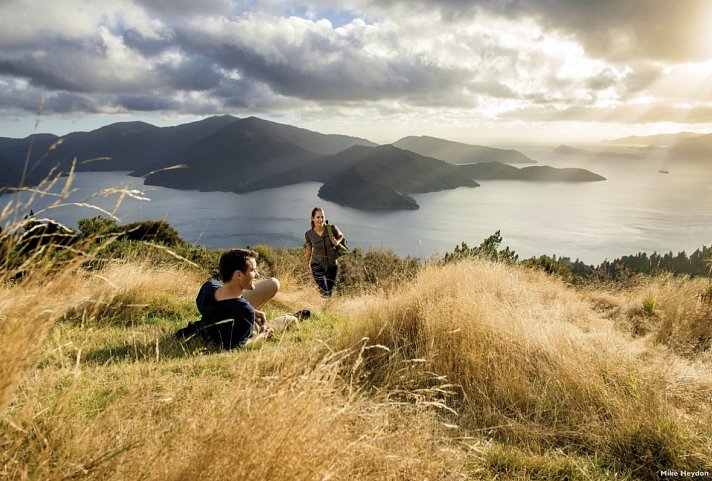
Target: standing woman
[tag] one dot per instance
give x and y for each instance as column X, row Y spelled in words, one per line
column 321, row 253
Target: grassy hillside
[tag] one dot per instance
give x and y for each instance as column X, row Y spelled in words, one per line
column 466, row 369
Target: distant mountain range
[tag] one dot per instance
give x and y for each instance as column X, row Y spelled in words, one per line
column 458, row 153
column 700, row 145
column 246, row 155
column 568, row 150
column 659, row 140
column 124, row 146
column 232, row 154
column 692, row 146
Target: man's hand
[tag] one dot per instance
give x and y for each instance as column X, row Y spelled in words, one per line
column 260, row 318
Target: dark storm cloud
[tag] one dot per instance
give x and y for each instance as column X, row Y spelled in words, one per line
column 185, row 7
column 317, row 67
column 65, row 102
column 243, row 93
column 200, row 57
column 352, row 79
column 146, row 45
column 19, row 99
column 29, row 99
column 146, row 103
column 193, row 73
column 620, row 29
column 309, row 61
column 42, row 74
column 87, row 66
column 77, row 65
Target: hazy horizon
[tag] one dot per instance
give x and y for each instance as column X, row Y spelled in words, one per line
column 522, row 142
column 480, row 72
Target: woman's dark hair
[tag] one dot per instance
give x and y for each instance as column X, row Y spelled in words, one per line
column 314, row 211
column 234, row 260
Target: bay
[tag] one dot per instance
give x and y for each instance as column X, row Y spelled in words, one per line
column 637, row 209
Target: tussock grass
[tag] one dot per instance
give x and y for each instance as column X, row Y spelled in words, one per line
column 129, row 292
column 535, row 366
column 236, row 415
column 287, row 265
column 674, row 311
column 96, row 388
column 28, row 309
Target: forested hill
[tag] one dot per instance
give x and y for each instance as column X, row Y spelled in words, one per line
column 382, row 177
column 142, row 148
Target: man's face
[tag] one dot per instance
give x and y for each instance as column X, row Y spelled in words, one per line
column 247, row 278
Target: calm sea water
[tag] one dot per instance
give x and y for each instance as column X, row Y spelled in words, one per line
column 636, row 209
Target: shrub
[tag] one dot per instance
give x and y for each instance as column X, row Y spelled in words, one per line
column 152, row 231
column 375, row 270
column 95, row 226
column 488, row 249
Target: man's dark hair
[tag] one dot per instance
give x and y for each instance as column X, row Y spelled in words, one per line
column 234, row 260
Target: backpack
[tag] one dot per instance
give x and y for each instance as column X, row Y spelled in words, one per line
column 342, row 249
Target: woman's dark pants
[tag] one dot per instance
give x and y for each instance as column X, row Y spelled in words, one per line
column 325, row 277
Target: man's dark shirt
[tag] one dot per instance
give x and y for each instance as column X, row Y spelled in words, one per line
column 229, row 322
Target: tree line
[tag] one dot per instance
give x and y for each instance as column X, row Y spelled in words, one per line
column 699, row 263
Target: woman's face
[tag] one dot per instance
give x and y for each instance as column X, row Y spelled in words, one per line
column 318, row 218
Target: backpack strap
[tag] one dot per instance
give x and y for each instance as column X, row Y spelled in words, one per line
column 331, row 234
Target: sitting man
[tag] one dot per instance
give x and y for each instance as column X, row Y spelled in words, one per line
column 230, row 309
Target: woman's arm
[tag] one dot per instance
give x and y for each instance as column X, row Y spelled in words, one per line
column 308, row 252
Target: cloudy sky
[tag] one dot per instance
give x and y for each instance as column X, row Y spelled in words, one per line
column 478, row 71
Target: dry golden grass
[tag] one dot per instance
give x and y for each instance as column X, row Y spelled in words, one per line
column 123, row 400
column 471, row 371
column 225, row 417
column 289, row 266
column 123, row 291
column 667, row 310
column 535, row 366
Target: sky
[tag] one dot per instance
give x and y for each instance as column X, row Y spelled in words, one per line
column 490, row 72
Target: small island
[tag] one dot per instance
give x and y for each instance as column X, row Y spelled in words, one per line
column 539, row 173
column 383, row 177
